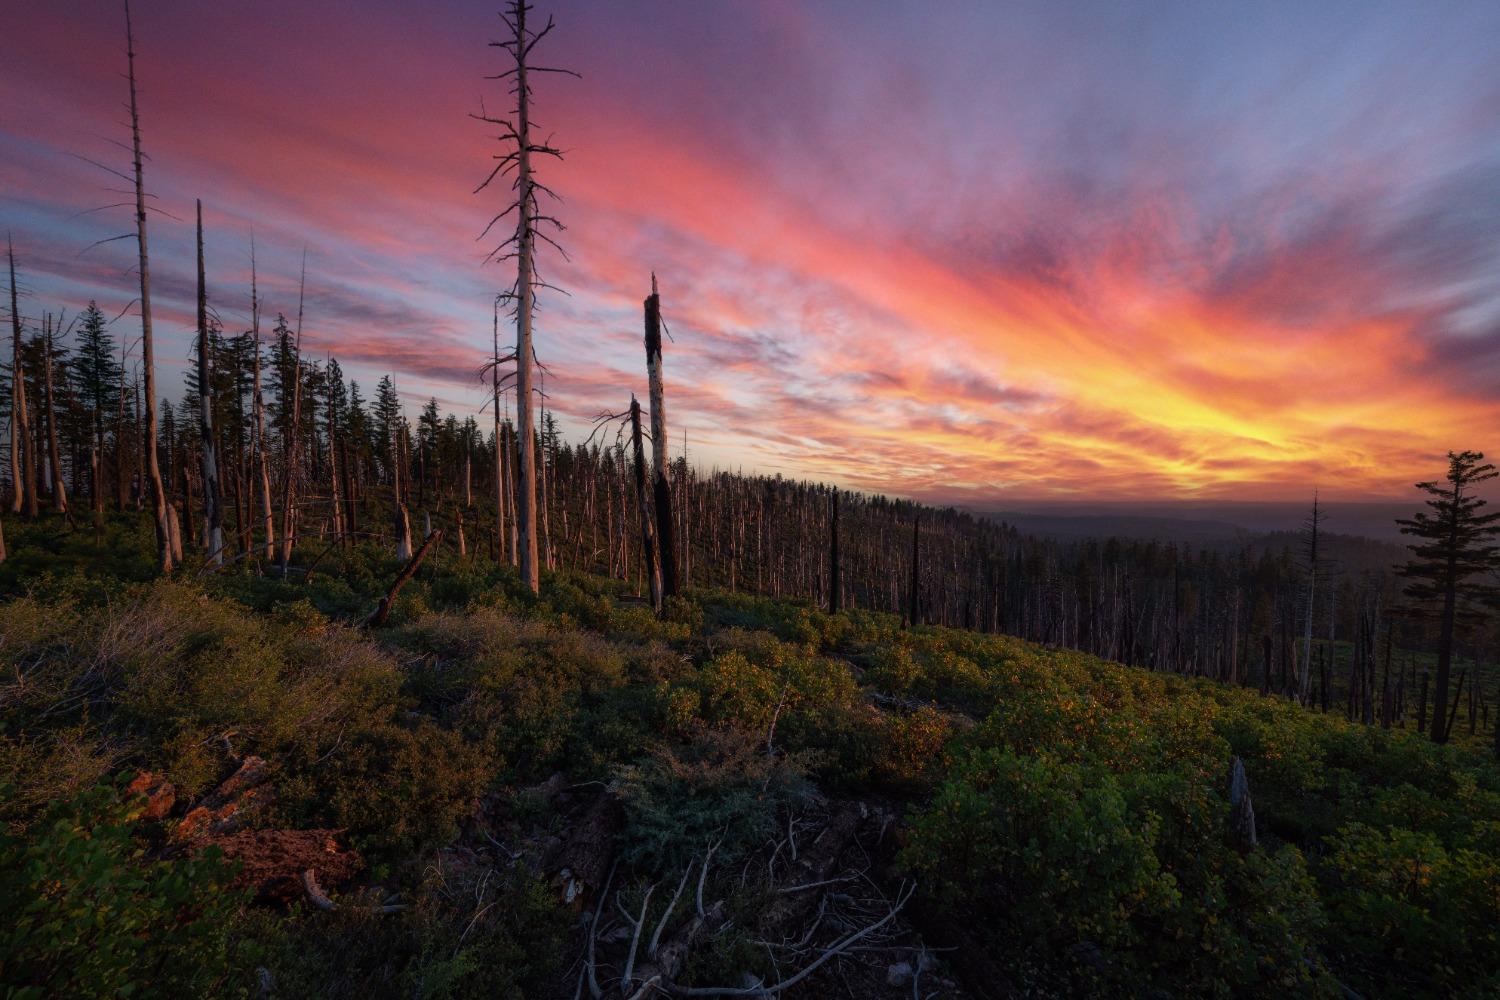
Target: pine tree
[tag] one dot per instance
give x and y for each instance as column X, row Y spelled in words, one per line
column 387, row 414
column 1455, row 547
column 95, row 374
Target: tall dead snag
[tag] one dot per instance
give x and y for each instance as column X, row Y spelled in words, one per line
column 502, row 458
column 1311, row 528
column 403, row 519
column 1241, row 810
column 516, row 160
column 164, row 533
column 912, row 593
column 294, row 432
column 661, row 490
column 336, row 500
column 213, row 514
column 648, row 530
column 258, row 421
column 835, row 588
column 54, row 458
column 22, row 455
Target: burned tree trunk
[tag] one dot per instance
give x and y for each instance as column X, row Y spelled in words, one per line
column 835, row 588
column 648, row 529
column 258, row 421
column 383, row 609
column 661, row 490
column 152, row 471
column 1241, row 809
column 54, row 460
column 502, row 459
column 289, row 474
column 517, row 160
column 212, row 513
column 22, row 455
column 912, row 594
column 335, row 492
column 402, row 518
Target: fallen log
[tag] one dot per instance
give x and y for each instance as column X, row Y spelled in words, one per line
column 383, row 609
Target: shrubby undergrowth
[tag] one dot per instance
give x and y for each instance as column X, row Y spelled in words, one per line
column 1073, row 813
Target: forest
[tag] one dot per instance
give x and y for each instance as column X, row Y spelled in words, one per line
column 300, row 696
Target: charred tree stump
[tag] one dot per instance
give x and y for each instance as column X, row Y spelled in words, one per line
column 1241, row 809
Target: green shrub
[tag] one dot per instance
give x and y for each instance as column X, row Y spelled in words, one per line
column 723, row 788
column 88, row 914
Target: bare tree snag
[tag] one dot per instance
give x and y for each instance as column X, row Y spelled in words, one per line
column 336, row 500
column 661, row 490
column 258, row 421
column 648, row 529
column 1311, row 528
column 912, row 593
column 383, row 609
column 54, row 460
column 152, row 471
column 516, row 135
column 502, row 447
column 213, row 513
column 22, row 455
column 289, row 474
column 1241, row 810
column 835, row 588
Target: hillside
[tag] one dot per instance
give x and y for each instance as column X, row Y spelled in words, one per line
column 507, row 794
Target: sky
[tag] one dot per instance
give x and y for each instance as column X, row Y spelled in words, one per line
column 973, row 253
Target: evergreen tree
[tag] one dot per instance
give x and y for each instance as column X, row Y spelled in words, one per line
column 1455, row 549
column 387, row 413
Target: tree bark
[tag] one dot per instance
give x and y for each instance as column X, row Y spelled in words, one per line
column 648, row 529
column 22, row 458
column 526, row 514
column 383, row 609
column 54, row 459
column 152, row 471
column 213, row 513
column 835, row 587
column 294, row 434
column 258, row 421
column 661, row 489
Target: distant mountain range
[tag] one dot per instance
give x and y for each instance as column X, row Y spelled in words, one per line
column 1200, row 522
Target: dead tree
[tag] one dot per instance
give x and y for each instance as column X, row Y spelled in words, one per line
column 516, row 160
column 258, row 420
column 1312, row 525
column 1241, row 809
column 289, row 474
column 661, row 490
column 165, row 547
column 54, row 459
column 22, row 455
column 648, row 532
column 402, row 518
column 336, row 500
column 213, row 514
column 383, row 609
column 502, row 448
column 835, row 591
column 912, row 593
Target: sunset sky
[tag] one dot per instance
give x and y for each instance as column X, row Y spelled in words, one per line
column 969, row 252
